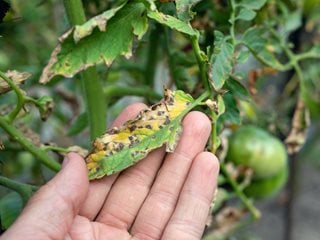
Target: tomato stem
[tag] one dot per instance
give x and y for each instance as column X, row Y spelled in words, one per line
column 92, row 86
column 244, row 199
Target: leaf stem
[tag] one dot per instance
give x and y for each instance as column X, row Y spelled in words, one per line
column 196, row 102
column 247, row 202
column 214, row 145
column 232, row 21
column 28, row 145
column 25, row 190
column 55, row 148
column 92, row 86
column 202, row 61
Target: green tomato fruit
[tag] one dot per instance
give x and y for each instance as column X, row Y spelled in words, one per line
column 267, row 187
column 255, row 148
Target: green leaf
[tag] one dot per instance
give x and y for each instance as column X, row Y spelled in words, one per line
column 184, row 9
column 220, row 65
column 310, row 89
column 253, row 5
column 79, row 124
column 120, row 148
column 237, row 89
column 173, row 23
column 256, row 40
column 99, row 22
column 150, row 4
column 246, row 14
column 232, row 114
column 70, row 57
column 10, row 208
column 293, row 21
column 243, row 56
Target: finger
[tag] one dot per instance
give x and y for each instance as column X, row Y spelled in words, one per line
column 99, row 189
column 129, row 192
column 191, row 213
column 166, row 188
column 50, row 212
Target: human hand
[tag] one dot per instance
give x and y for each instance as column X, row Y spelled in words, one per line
column 164, row 196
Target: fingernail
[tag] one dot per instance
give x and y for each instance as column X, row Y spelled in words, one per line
column 65, row 161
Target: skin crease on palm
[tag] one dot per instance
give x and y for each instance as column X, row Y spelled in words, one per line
column 164, row 196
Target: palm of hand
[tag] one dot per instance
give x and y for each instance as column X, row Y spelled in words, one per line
column 163, row 196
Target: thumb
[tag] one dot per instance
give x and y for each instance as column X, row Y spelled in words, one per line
column 50, row 212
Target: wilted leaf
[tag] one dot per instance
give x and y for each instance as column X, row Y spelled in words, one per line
column 70, row 57
column 30, row 134
column 225, row 222
column 81, row 151
column 298, row 133
column 173, row 23
column 221, row 61
column 45, row 106
column 18, row 78
column 10, row 208
column 184, row 9
column 122, row 147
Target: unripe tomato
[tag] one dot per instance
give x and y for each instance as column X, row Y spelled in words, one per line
column 267, row 187
column 255, row 148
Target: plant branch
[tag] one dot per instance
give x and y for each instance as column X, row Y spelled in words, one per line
column 232, row 21
column 25, row 190
column 170, row 59
column 307, row 55
column 55, row 148
column 152, row 57
column 28, row 145
column 202, row 61
column 247, row 202
column 92, row 86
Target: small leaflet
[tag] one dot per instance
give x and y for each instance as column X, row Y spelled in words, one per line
column 122, row 147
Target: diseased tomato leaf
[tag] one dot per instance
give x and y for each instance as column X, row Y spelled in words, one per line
column 184, row 9
column 120, row 148
column 99, row 40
